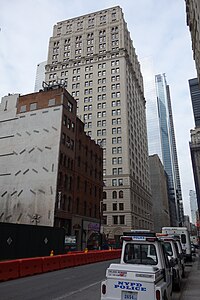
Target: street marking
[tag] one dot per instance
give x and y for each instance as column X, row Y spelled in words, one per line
column 77, row 291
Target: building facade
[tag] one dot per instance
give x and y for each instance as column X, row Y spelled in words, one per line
column 193, row 206
column 93, row 55
column 193, row 21
column 158, row 177
column 44, row 177
column 195, row 157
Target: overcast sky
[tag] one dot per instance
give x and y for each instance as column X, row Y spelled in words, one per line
column 158, row 30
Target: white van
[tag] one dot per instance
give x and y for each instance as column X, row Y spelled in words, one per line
column 184, row 235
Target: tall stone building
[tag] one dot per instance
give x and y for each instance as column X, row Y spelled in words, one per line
column 193, row 21
column 94, row 57
column 51, row 171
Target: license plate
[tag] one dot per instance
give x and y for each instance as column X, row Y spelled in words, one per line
column 129, row 296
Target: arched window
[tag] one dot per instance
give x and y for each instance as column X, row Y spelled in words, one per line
column 104, row 195
column 121, row 194
column 114, row 195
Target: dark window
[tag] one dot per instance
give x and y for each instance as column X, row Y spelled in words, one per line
column 114, row 195
column 121, row 194
column 121, row 219
column 114, row 206
column 121, row 206
column 115, row 219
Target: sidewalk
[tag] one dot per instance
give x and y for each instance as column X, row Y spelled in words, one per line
column 191, row 290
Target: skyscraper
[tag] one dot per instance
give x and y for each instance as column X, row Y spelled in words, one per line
column 40, row 76
column 94, row 57
column 161, row 140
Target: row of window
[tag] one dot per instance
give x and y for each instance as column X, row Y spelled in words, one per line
column 78, row 63
column 103, row 131
column 34, row 105
column 91, row 23
column 101, row 114
column 101, row 105
column 115, row 206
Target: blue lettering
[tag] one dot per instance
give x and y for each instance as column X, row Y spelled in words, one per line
column 131, row 286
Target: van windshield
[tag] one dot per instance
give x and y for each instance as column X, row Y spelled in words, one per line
column 140, row 254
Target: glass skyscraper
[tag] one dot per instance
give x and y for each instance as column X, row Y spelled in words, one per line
column 161, row 139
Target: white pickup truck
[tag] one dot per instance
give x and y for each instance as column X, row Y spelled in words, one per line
column 144, row 271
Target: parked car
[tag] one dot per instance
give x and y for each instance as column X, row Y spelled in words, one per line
column 173, row 254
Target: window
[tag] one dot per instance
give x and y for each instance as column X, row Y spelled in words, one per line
column 114, row 182
column 119, row 171
column 114, row 160
column 120, row 182
column 114, row 171
column 119, row 160
column 23, row 108
column 33, row 106
column 114, row 206
column 115, row 220
column 121, row 206
column 121, row 194
column 114, row 195
column 138, row 254
column 121, row 219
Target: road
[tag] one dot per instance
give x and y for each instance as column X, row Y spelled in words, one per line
column 80, row 283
